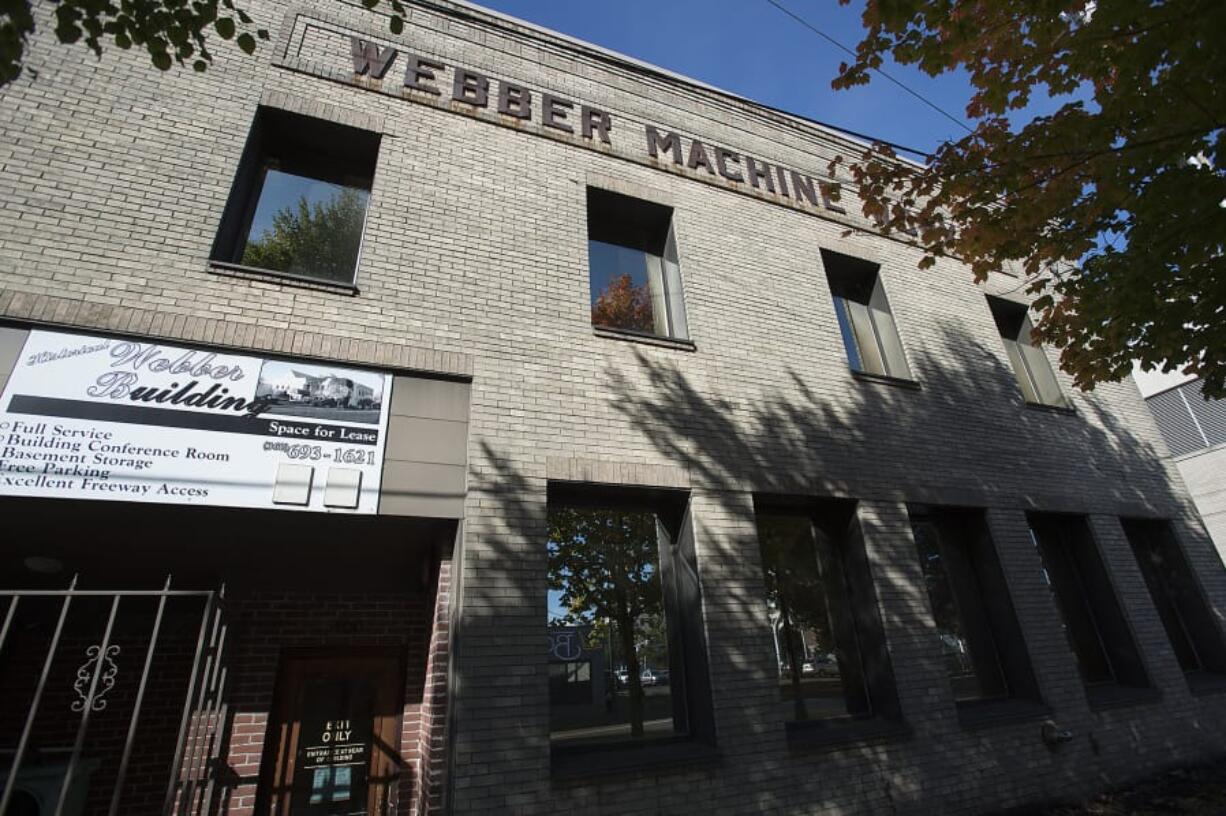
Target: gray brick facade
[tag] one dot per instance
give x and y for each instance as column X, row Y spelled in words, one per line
column 113, row 181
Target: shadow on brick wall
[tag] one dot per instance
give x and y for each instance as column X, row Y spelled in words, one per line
column 964, row 428
column 963, row 437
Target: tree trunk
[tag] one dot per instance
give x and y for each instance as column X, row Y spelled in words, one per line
column 625, row 627
column 797, row 698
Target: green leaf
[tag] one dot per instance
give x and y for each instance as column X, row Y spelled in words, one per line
column 246, row 42
column 225, row 27
column 161, row 60
column 396, row 24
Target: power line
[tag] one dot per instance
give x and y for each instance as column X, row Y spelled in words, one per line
column 840, row 45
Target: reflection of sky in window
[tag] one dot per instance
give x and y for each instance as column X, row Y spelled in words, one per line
column 283, row 190
column 608, row 262
column 556, row 609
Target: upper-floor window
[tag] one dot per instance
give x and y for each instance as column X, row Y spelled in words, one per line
column 632, row 261
column 298, row 205
column 1030, row 364
column 870, row 334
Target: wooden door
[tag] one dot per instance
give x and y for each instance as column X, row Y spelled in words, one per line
column 335, row 737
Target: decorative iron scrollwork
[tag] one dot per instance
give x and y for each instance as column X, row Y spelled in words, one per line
column 105, row 681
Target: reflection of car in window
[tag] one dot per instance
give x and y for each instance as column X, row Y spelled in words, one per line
column 957, row 659
column 826, row 666
column 647, row 677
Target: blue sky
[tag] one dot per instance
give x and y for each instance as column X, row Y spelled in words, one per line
column 750, row 48
column 283, row 190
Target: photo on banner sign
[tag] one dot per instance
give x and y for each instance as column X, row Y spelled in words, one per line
column 321, row 392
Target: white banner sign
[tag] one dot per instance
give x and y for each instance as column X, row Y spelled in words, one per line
column 102, row 418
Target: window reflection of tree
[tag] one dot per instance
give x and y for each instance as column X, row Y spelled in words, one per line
column 794, row 591
column 945, row 611
column 319, row 239
column 623, row 304
column 604, row 564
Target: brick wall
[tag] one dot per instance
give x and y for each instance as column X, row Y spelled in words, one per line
column 432, row 733
column 113, row 178
column 268, row 624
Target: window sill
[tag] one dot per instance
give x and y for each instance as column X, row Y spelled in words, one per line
column 975, row 714
column 574, row 762
column 829, row 734
column 885, row 379
column 1203, row 682
column 233, row 270
column 648, row 339
column 1108, row 696
column 1068, row 410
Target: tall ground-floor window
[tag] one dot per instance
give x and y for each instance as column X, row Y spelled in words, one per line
column 1189, row 621
column 1093, row 619
column 978, row 633
column 626, row 655
column 822, row 609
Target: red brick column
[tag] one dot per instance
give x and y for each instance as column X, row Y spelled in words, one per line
column 432, row 737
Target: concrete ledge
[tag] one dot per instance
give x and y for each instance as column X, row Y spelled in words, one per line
column 57, row 312
column 644, row 192
column 282, row 100
column 567, row 469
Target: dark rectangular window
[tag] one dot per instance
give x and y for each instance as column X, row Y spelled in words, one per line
column 1093, row 620
column 1187, row 617
column 632, row 262
column 870, row 335
column 298, row 205
column 627, row 661
column 822, row 609
column 980, row 638
column 570, row 682
column 1030, row 364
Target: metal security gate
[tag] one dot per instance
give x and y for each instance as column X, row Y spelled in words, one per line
column 192, row 772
